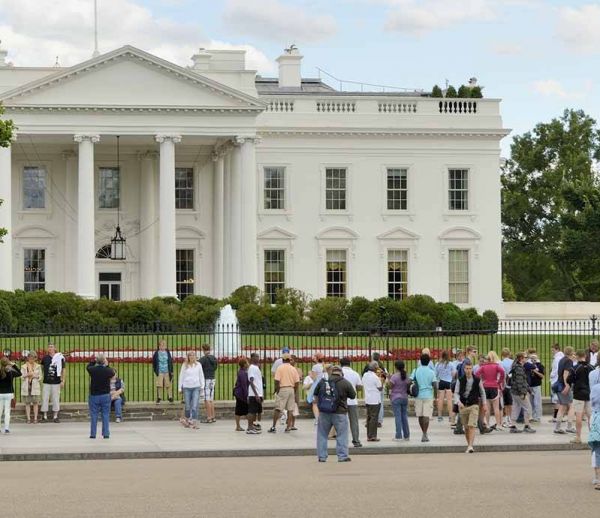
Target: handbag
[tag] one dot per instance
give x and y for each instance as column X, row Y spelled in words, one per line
column 557, row 387
column 413, row 388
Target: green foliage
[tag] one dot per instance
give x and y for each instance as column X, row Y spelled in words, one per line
column 296, row 299
column 328, row 313
column 508, row 290
column 6, row 317
column 436, row 91
column 7, row 129
column 476, row 92
column 451, row 92
column 245, row 295
column 551, row 211
column 464, row 91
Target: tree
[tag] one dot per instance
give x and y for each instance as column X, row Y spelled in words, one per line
column 464, row 92
column 476, row 92
column 436, row 91
column 551, row 210
column 7, row 128
column 451, row 92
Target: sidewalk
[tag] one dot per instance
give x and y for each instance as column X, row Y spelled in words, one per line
column 168, row 439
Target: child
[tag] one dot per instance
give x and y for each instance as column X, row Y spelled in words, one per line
column 594, row 436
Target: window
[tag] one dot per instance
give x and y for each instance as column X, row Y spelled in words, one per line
column 184, row 188
column 34, row 268
column 274, row 188
column 274, row 272
column 335, row 188
column 336, row 273
column 185, row 273
column 108, row 188
column 458, row 261
column 110, row 285
column 34, row 187
column 397, row 270
column 397, row 190
column 458, row 189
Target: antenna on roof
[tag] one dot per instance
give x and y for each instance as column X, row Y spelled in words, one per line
column 96, row 51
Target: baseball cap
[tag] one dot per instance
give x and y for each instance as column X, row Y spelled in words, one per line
column 285, row 350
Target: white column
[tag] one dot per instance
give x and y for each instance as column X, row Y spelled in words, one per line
column 218, row 187
column 249, row 272
column 167, row 224
column 235, row 208
column 86, row 245
column 6, row 249
column 148, row 181
column 227, row 225
column 70, row 265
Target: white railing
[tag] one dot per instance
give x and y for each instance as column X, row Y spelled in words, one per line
column 458, row 106
column 277, row 105
column 397, row 107
column 336, row 106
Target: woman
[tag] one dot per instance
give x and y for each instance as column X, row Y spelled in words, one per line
column 240, row 391
column 491, row 373
column 191, row 382
column 444, row 372
column 398, row 385
column 594, row 435
column 8, row 372
column 309, row 385
column 117, row 396
column 31, row 389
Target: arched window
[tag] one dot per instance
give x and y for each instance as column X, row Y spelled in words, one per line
column 103, row 252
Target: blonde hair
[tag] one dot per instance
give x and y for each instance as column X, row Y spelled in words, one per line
column 493, row 357
column 506, row 353
column 426, row 351
column 4, row 367
column 569, row 351
column 187, row 362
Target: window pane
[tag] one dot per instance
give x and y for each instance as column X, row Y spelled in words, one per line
column 185, row 273
column 274, row 189
column 34, row 187
column 34, row 269
column 336, row 272
column 184, row 188
column 108, row 188
column 274, row 270
column 458, row 264
column 397, row 274
column 335, row 189
column 397, row 189
column 458, row 189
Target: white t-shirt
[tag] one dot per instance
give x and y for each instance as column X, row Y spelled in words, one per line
column 371, row 384
column 307, row 383
column 255, row 376
column 317, row 368
column 354, row 378
column 276, row 364
column 593, row 359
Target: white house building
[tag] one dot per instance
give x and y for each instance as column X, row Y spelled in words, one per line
column 223, row 178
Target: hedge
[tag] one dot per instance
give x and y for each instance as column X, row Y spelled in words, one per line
column 42, row 312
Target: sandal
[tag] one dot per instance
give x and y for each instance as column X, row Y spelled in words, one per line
column 28, row 421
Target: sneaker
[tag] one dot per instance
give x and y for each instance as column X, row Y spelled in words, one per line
column 170, row 400
column 553, row 420
column 346, row 459
column 571, row 430
column 407, row 438
column 534, row 420
column 274, row 430
column 528, row 429
column 425, row 438
column 320, row 460
column 157, row 400
column 470, row 450
column 357, row 444
column 118, row 420
column 252, row 432
column 7, row 431
column 257, row 426
column 374, row 439
column 559, row 431
column 514, row 429
column 440, row 419
column 379, row 425
column 45, row 419
column 575, row 440
column 397, row 439
column 56, row 420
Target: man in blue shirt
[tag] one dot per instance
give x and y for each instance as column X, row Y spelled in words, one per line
column 425, row 379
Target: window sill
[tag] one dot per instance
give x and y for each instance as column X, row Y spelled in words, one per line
column 29, row 212
column 459, row 213
column 266, row 213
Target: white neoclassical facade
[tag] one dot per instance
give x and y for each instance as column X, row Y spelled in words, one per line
column 223, row 178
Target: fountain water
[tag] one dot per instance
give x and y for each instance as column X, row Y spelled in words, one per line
column 227, row 334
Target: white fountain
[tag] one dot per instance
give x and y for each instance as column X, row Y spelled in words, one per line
column 227, row 334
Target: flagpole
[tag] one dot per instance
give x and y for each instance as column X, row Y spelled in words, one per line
column 96, row 51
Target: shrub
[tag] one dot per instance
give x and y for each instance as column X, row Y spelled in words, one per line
column 451, row 92
column 464, row 91
column 6, row 317
column 476, row 92
column 328, row 313
column 436, row 91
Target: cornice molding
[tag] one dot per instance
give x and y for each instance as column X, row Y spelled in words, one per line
column 148, row 109
column 496, row 134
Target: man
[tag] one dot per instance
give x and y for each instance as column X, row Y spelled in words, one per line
column 469, row 394
column 209, row 367
column 592, row 354
column 581, row 393
column 55, row 376
column 519, row 388
column 425, row 379
column 276, row 364
column 372, row 386
column 332, row 396
column 286, row 392
column 354, row 379
column 99, row 400
column 376, row 357
column 255, row 394
column 317, row 368
column 162, row 365
column 506, row 363
column 557, row 355
column 536, row 373
column 565, row 394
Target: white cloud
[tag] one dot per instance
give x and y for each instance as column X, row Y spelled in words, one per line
column 64, row 28
column 579, row 28
column 276, row 21
column 549, row 88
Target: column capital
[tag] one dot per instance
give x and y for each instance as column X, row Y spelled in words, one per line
column 176, row 139
column 238, row 141
column 86, row 138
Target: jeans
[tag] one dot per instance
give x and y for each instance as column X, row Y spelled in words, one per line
column 372, row 414
column 97, row 405
column 353, row 419
column 536, row 402
column 340, row 424
column 380, row 416
column 118, row 404
column 400, row 408
column 191, row 397
column 5, row 400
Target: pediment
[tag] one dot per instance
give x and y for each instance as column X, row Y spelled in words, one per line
column 129, row 77
column 460, row 233
column 337, row 233
column 276, row 233
column 33, row 232
column 398, row 234
column 187, row 232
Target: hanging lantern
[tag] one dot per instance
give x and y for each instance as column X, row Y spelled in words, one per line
column 117, row 246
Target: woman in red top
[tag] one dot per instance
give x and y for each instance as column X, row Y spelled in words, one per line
column 492, row 376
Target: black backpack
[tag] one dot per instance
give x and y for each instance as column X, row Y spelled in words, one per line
column 329, row 399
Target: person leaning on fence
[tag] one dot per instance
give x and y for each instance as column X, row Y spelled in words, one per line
column 31, row 387
column 117, row 396
column 286, row 384
column 99, row 398
column 162, row 364
column 209, row 368
column 469, row 395
column 332, row 396
column 519, row 387
column 55, row 375
column 8, row 372
column 191, row 383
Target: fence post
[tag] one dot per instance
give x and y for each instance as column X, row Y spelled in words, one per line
column 593, row 318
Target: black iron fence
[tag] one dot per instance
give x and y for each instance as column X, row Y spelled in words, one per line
column 130, row 351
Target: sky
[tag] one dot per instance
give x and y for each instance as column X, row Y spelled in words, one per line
column 540, row 57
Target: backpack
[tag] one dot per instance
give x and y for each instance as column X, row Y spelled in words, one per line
column 328, row 400
column 413, row 386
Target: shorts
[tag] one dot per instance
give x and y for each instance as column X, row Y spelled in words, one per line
column 469, row 416
column 581, row 407
column 491, row 393
column 241, row 407
column 565, row 400
column 208, row 394
column 507, row 396
column 285, row 399
column 31, row 400
column 163, row 380
column 424, row 407
column 444, row 385
column 254, row 406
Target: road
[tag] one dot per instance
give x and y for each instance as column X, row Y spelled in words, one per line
column 493, row 485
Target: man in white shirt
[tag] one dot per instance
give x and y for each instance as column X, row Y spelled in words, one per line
column 354, row 378
column 592, row 354
column 255, row 394
column 557, row 356
column 372, row 387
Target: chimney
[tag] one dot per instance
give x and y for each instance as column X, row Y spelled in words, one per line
column 201, row 61
column 289, row 68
